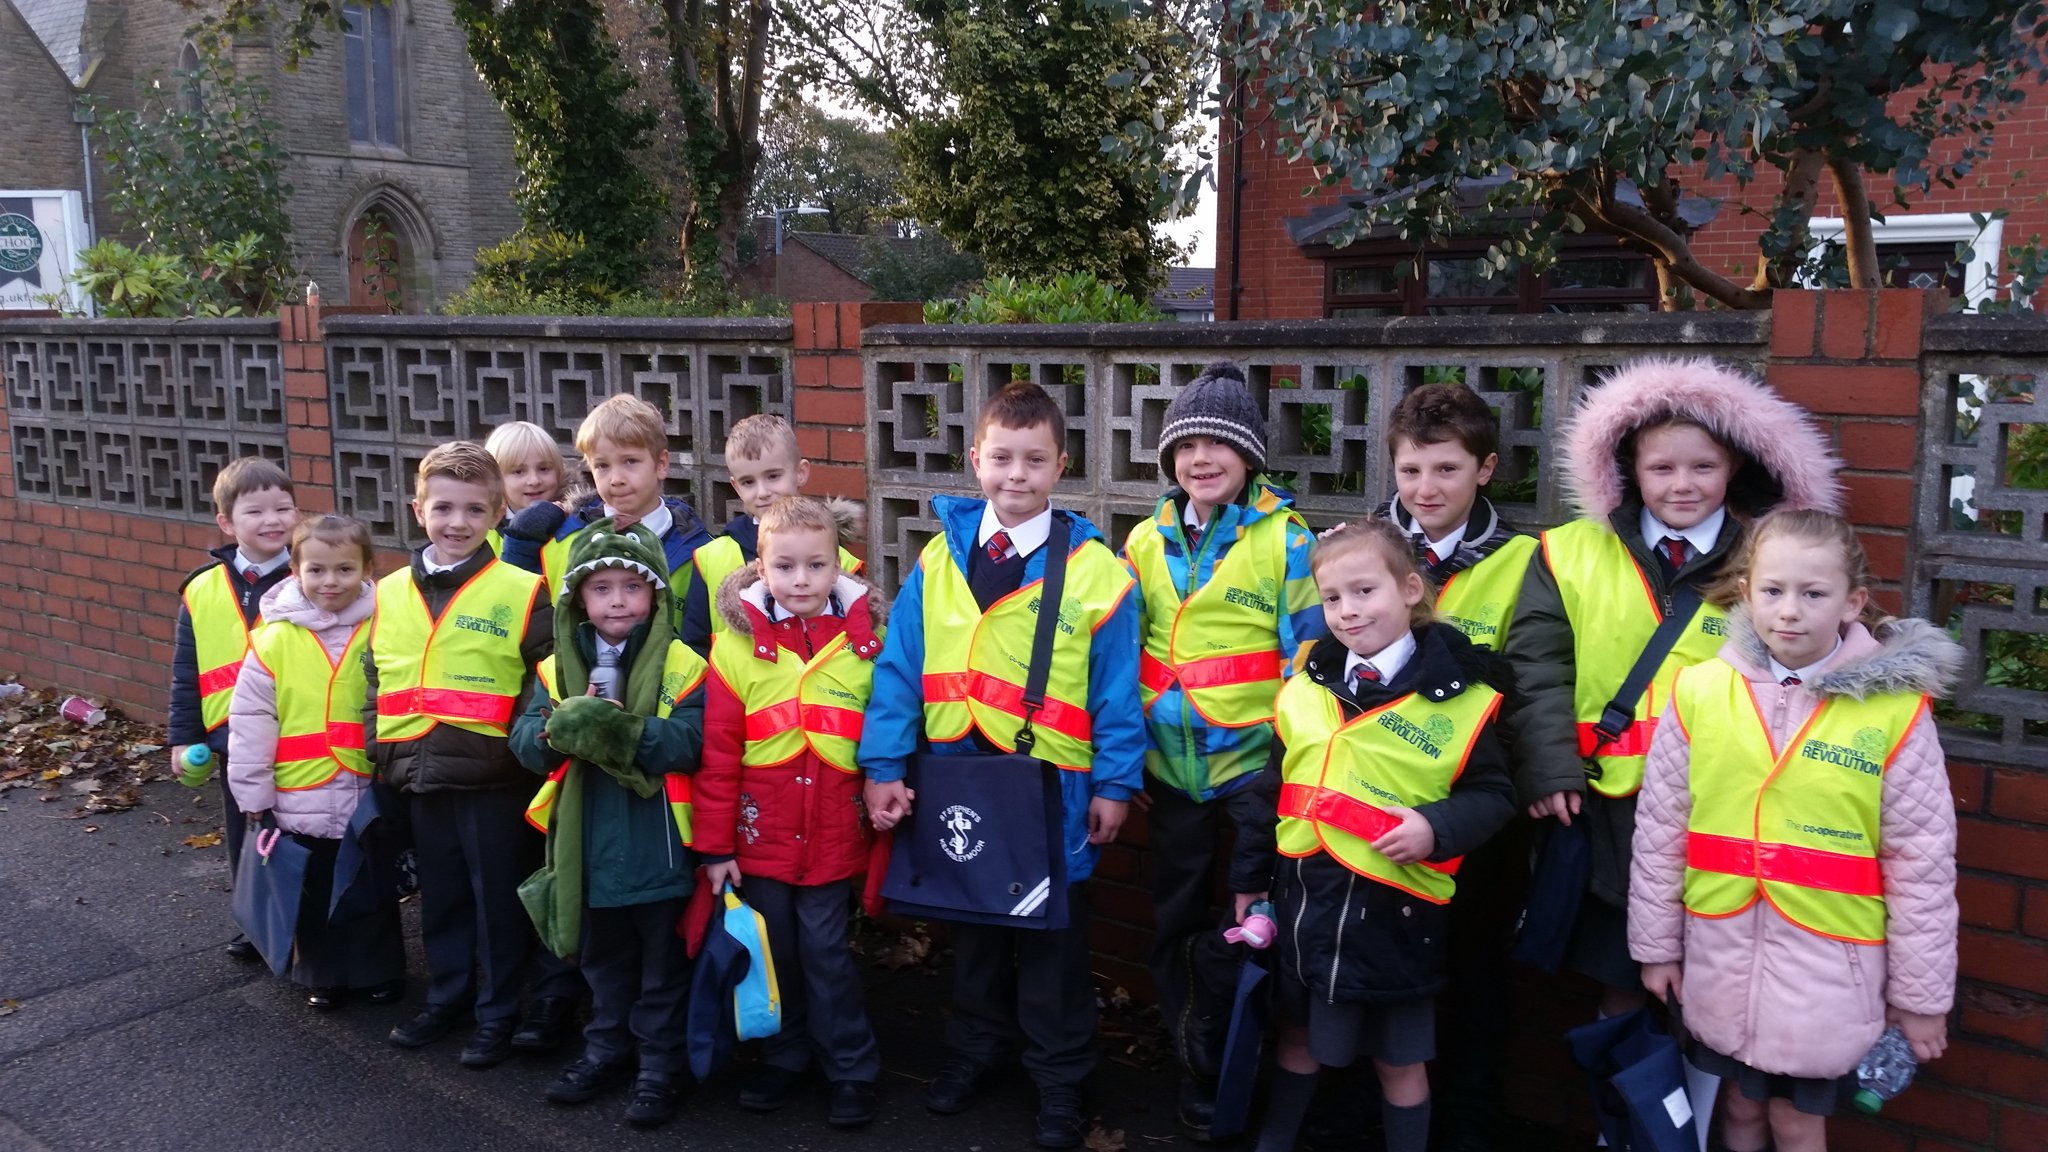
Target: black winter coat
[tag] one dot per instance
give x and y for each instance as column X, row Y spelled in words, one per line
column 1350, row 939
column 449, row 758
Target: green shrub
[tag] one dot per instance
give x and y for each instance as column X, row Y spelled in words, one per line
column 1079, row 298
column 555, row 275
column 125, row 282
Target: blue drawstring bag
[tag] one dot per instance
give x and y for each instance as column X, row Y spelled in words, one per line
column 269, row 882
column 1240, row 1064
column 1637, row 1078
column 757, row 999
column 1556, row 889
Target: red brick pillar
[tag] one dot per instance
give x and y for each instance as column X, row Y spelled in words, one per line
column 831, row 411
column 309, row 439
column 1853, row 360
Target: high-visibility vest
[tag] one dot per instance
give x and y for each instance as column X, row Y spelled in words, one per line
column 1798, row 827
column 554, row 564
column 793, row 704
column 975, row 663
column 1480, row 600
column 1220, row 645
column 681, row 672
column 1339, row 776
column 319, row 703
column 462, row 669
column 220, row 639
column 1613, row 614
column 723, row 557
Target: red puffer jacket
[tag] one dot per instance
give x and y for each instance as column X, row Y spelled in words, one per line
column 800, row 822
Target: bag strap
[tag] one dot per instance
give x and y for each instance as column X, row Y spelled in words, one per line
column 1050, row 589
column 1620, row 714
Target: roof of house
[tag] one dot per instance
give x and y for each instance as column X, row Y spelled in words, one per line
column 67, row 31
column 1325, row 224
column 849, row 252
column 1187, row 290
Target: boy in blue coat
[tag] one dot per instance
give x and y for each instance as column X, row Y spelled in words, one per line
column 951, row 673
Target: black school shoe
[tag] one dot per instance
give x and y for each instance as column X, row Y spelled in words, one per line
column 953, row 1090
column 586, row 1079
column 325, row 999
column 768, row 1088
column 1197, row 1109
column 426, row 1027
column 243, row 949
column 389, row 992
column 1059, row 1118
column 853, row 1104
column 490, row 1045
column 655, row 1095
column 544, row 1025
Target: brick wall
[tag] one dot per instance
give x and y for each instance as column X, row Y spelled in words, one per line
column 831, row 413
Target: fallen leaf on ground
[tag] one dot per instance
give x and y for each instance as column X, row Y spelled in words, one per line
column 204, row 840
column 1100, row 1139
column 9, row 1007
column 92, row 827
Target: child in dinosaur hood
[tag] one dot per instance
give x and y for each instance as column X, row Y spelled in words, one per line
column 617, row 731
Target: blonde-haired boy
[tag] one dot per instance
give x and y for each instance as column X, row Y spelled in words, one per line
column 624, row 443
column 765, row 464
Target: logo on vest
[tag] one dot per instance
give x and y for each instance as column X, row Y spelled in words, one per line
column 959, row 822
column 1713, row 626
column 497, row 625
column 1262, row 600
column 1865, row 753
column 1476, row 627
column 671, row 687
column 1066, row 618
column 1431, row 735
column 1371, row 788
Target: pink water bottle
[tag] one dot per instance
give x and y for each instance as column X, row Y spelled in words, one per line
column 1258, row 929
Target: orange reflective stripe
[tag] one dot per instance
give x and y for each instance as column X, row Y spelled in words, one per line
column 220, row 679
column 1348, row 814
column 340, row 735
column 1154, row 673
column 1004, row 696
column 1634, row 742
column 475, row 707
column 310, row 746
column 677, row 787
column 1785, row 864
column 773, row 720
column 945, row 687
column 1209, row 671
column 826, row 720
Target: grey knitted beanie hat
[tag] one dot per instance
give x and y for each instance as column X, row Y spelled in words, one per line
column 1215, row 404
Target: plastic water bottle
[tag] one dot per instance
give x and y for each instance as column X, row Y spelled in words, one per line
column 198, row 765
column 1884, row 1071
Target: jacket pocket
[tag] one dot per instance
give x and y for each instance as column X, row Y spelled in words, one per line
column 1868, row 997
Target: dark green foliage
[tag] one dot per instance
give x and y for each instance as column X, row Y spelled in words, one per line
column 555, row 275
column 927, row 268
column 202, row 183
column 809, row 156
column 1080, row 298
column 575, row 132
column 220, row 279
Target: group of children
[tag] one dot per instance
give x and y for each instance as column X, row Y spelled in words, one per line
column 1350, row 722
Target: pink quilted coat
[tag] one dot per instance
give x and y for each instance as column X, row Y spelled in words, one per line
column 252, row 723
column 1756, row 987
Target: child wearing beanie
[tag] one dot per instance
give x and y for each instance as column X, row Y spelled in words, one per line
column 1227, row 598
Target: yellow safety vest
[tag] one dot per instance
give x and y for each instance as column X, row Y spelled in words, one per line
column 1480, row 600
column 462, row 669
column 1613, row 614
column 1221, row 645
column 1798, row 826
column 1339, row 776
column 681, row 673
column 220, row 639
column 975, row 663
column 319, row 703
column 794, row 704
column 722, row 557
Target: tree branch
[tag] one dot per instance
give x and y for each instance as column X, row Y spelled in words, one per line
column 1669, row 248
column 1801, row 179
column 1856, row 233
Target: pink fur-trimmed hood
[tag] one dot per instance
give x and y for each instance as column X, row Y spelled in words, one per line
column 1791, row 462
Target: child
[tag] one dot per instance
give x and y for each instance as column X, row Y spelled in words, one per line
column 779, row 800
column 762, row 455
column 625, row 449
column 1795, row 881
column 440, row 706
column 219, row 605
column 531, row 463
column 624, row 699
column 1385, row 769
column 1665, row 462
column 964, row 625
column 1226, row 597
column 296, row 750
column 1445, row 445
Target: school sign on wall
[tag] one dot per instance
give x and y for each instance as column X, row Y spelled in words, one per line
column 41, row 233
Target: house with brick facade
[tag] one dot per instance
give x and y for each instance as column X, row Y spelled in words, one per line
column 389, row 129
column 1276, row 259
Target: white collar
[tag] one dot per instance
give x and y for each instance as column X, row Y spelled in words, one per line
column 1441, row 549
column 1779, row 671
column 1388, row 661
column 658, row 521
column 604, row 646
column 1026, row 538
column 243, row 563
column 1188, row 517
column 430, row 560
column 1701, row 537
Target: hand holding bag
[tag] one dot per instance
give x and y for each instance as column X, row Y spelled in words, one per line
column 270, row 879
column 757, row 1000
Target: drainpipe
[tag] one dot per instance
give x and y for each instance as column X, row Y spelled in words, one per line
column 1235, row 117
column 84, row 118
